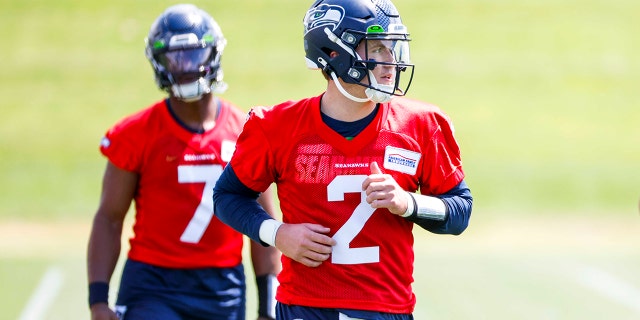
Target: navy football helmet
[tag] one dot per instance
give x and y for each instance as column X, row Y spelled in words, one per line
column 340, row 26
column 184, row 47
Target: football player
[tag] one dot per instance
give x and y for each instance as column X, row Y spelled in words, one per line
column 361, row 166
column 183, row 263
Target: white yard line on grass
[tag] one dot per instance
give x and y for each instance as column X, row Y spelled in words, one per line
column 610, row 286
column 44, row 295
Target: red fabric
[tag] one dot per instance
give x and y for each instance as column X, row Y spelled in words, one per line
column 177, row 170
column 319, row 175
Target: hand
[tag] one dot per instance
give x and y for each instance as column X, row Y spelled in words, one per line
column 384, row 192
column 101, row 311
column 306, row 243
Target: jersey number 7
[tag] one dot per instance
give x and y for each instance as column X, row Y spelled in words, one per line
column 208, row 174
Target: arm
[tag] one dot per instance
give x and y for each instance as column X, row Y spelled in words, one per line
column 266, row 265
column 235, row 204
column 266, row 260
column 458, row 202
column 118, row 187
column 448, row 213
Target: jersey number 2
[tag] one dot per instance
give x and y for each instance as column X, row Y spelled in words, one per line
column 342, row 253
column 208, row 174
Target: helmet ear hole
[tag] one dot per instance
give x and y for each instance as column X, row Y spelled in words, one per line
column 327, row 69
column 370, row 64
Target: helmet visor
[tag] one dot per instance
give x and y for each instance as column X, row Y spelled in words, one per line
column 387, row 51
column 390, row 54
column 187, row 62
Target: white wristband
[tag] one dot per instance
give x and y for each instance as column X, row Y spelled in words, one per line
column 430, row 207
column 268, row 230
column 410, row 206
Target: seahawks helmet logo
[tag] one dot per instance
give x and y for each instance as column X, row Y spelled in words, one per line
column 323, row 16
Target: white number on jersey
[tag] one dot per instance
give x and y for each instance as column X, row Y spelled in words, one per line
column 342, row 253
column 208, row 174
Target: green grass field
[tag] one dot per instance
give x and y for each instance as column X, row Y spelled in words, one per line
column 544, row 95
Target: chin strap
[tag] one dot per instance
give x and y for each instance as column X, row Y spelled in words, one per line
column 340, row 88
column 193, row 91
column 190, row 92
column 344, row 92
column 378, row 96
column 374, row 93
column 219, row 87
column 378, row 93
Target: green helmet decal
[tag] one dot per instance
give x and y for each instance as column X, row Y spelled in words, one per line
column 208, row 38
column 158, row 44
column 375, row 29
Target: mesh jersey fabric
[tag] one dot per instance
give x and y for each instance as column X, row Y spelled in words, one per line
column 319, row 175
column 177, row 170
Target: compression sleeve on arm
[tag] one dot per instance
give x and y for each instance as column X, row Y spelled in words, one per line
column 458, row 202
column 236, row 205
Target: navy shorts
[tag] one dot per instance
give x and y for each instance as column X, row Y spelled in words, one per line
column 291, row 312
column 150, row 292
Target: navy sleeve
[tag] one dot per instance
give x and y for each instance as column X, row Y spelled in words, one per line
column 236, row 205
column 459, row 203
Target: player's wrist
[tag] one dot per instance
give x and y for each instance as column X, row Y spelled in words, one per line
column 268, row 230
column 98, row 292
column 426, row 207
column 411, row 206
column 431, row 208
column 267, row 285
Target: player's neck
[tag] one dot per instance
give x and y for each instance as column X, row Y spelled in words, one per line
column 199, row 115
column 335, row 105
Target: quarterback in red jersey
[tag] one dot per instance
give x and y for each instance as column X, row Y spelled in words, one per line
column 360, row 166
column 183, row 263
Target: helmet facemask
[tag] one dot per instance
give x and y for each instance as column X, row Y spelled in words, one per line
column 189, row 72
column 382, row 51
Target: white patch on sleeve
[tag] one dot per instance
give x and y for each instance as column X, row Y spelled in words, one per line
column 105, row 142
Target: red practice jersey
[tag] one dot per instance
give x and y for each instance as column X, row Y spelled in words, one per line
column 319, row 175
column 174, row 225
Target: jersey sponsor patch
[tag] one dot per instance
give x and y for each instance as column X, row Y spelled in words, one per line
column 401, row 160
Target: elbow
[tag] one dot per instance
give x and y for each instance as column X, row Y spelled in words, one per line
column 463, row 217
column 459, row 229
column 467, row 215
column 218, row 201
